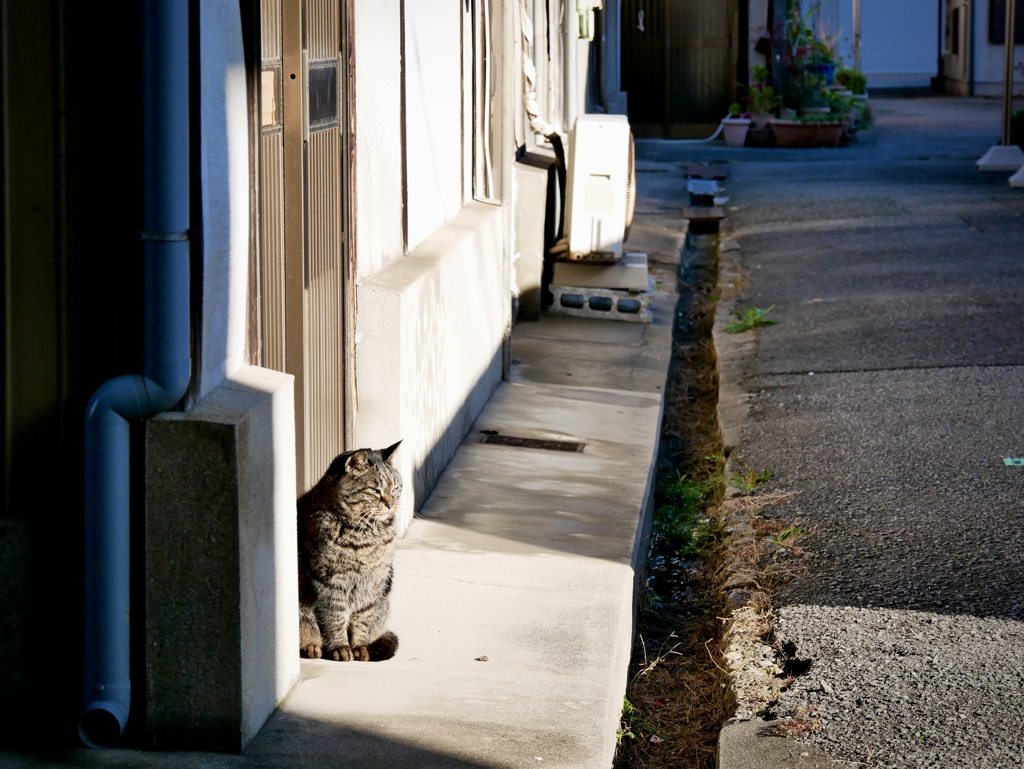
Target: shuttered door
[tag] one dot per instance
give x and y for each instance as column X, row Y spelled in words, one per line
column 679, row 64
column 323, row 315
column 304, row 170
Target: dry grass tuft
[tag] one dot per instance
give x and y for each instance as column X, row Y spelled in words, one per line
column 678, row 706
column 800, row 724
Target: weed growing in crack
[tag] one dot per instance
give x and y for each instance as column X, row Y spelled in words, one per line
column 749, row 481
column 749, row 318
column 629, row 725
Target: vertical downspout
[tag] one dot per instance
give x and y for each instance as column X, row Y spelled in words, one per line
column 570, row 33
column 165, row 377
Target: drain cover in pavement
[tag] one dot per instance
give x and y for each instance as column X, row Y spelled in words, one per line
column 531, row 443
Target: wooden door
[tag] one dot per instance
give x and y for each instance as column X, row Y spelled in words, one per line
column 679, row 64
column 300, row 321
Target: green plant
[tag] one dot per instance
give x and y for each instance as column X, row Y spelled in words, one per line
column 628, row 726
column 750, row 481
column 851, row 79
column 632, row 725
column 819, row 117
column 750, row 318
column 787, row 535
column 762, row 99
column 840, row 103
column 759, row 74
column 822, row 51
column 682, row 512
column 735, row 110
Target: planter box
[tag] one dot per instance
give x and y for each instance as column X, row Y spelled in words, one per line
column 734, row 131
column 793, row 133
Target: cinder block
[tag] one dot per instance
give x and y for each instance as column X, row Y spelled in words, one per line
column 610, row 304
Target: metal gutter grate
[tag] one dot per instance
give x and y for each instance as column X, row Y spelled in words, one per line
column 531, row 443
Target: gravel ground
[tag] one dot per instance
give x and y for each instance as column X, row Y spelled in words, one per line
column 898, row 688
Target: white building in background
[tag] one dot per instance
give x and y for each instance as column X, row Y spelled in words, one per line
column 956, row 46
column 973, row 58
column 895, row 43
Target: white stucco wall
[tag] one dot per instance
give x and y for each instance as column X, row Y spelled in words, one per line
column 379, row 201
column 432, row 314
column 224, row 158
column 429, row 341
column 433, row 115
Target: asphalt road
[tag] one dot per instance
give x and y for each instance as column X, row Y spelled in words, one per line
column 888, row 398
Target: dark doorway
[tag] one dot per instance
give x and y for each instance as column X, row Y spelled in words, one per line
column 679, row 64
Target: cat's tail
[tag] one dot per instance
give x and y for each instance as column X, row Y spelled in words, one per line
column 383, row 648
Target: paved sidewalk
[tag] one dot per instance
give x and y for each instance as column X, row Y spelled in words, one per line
column 886, row 400
column 515, row 585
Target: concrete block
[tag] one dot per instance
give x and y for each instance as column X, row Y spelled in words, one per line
column 1017, row 180
column 221, row 574
column 530, row 184
column 607, row 303
column 628, row 274
column 1002, row 158
column 16, row 598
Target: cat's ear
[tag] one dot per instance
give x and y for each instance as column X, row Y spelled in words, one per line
column 339, row 466
column 386, row 453
column 357, row 461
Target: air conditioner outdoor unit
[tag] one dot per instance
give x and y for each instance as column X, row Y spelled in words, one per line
column 600, row 190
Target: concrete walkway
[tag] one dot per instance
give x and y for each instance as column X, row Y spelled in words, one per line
column 515, row 585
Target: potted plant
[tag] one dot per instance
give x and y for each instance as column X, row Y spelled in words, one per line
column 735, row 126
column 852, row 80
column 762, row 100
column 823, row 60
column 843, row 108
column 811, row 129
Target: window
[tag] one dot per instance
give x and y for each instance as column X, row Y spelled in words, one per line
column 485, row 23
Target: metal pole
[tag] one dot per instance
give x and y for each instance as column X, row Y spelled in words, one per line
column 1008, row 39
column 856, row 34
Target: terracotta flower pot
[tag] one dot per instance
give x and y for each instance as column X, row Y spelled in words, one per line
column 794, row 133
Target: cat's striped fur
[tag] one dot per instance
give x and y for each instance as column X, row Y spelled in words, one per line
column 346, row 542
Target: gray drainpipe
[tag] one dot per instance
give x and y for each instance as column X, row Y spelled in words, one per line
column 165, row 377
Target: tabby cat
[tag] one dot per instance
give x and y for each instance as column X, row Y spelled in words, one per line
column 346, row 543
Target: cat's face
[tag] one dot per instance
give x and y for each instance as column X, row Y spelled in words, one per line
column 369, row 486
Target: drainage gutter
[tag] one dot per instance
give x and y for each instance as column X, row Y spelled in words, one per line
column 165, row 377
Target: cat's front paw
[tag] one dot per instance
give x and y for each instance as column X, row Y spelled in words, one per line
column 311, row 651
column 341, row 654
